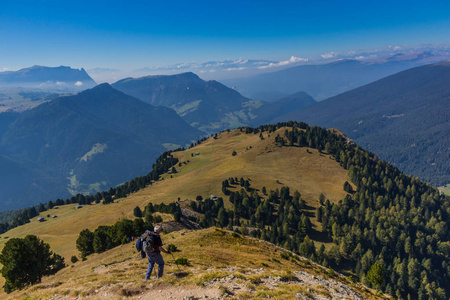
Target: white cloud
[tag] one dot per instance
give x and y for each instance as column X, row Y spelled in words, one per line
column 235, row 69
column 5, row 69
column 60, row 83
column 331, row 54
column 395, row 48
column 360, row 57
column 78, row 83
column 292, row 60
column 214, row 64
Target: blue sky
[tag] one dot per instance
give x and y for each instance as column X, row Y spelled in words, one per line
column 135, row 34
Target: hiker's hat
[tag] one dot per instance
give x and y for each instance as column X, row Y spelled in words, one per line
column 157, row 228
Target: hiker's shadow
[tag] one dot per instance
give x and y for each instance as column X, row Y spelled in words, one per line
column 181, row 274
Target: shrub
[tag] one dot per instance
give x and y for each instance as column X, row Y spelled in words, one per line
column 182, row 261
column 331, row 273
column 288, row 276
column 74, row 259
column 236, row 235
column 172, row 248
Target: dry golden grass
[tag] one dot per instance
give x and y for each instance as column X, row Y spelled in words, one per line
column 445, row 189
column 259, row 160
column 211, row 253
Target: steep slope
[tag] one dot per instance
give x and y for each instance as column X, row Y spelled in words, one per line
column 403, row 118
column 384, row 218
column 219, row 263
column 47, row 77
column 207, row 105
column 260, row 160
column 319, row 81
column 6, row 119
column 90, row 141
column 20, row 182
column 215, row 271
column 269, row 111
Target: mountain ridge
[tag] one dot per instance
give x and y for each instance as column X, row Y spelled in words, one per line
column 290, row 156
column 207, row 105
column 267, row 111
column 321, row 81
column 289, row 173
column 403, row 118
column 114, row 133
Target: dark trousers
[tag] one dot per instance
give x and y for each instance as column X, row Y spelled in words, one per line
column 153, row 258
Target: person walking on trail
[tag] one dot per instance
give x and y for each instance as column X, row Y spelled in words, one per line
column 155, row 255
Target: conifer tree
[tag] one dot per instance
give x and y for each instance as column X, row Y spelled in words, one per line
column 25, row 261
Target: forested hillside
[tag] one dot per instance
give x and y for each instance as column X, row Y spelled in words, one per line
column 284, row 105
column 83, row 143
column 403, row 118
column 391, row 231
column 207, row 105
column 287, row 184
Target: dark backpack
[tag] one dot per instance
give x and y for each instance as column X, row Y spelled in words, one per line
column 139, row 247
column 139, row 244
column 146, row 243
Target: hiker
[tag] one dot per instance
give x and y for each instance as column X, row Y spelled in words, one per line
column 155, row 256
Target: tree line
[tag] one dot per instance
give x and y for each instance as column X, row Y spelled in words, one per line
column 392, row 227
column 161, row 166
column 107, row 237
column 392, row 219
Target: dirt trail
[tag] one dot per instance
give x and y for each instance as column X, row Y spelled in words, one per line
column 181, row 293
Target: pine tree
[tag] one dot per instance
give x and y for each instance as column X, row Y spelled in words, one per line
column 26, row 261
column 85, row 242
column 137, row 212
column 376, row 275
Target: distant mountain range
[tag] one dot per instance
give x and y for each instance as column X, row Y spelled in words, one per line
column 105, row 135
column 27, row 88
column 207, row 105
column 271, row 110
column 326, row 80
column 83, row 143
column 101, row 137
column 64, row 78
column 403, row 118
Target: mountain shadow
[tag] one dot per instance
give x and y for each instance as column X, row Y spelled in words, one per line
column 403, row 118
column 207, row 105
column 87, row 142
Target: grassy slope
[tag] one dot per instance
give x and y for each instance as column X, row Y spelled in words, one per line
column 211, row 254
column 445, row 189
column 264, row 163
